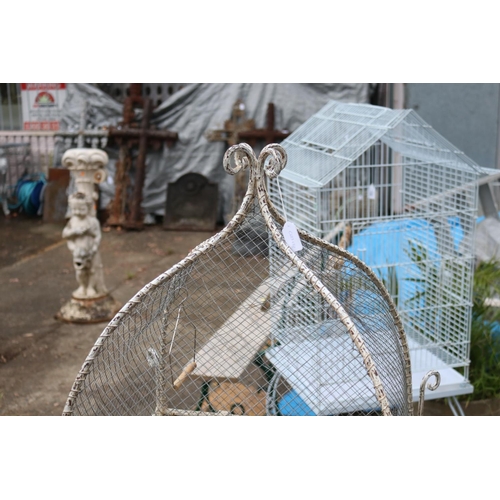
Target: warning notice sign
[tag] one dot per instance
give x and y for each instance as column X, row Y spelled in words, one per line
column 42, row 105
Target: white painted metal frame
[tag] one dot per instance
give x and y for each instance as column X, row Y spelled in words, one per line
column 398, row 183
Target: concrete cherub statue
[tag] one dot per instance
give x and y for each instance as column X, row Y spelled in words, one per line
column 83, row 235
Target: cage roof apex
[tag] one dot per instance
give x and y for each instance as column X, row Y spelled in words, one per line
column 339, row 133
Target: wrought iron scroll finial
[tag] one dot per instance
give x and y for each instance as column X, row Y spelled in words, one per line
column 272, row 159
column 431, row 387
column 277, row 163
column 243, row 155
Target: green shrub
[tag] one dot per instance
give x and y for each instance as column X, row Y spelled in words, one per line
column 484, row 372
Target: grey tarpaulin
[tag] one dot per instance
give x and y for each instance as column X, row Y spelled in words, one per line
column 102, row 111
column 200, row 107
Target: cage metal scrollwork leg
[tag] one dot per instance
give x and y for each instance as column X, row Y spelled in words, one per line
column 431, row 387
column 455, row 407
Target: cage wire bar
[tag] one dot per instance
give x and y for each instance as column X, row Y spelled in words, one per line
column 245, row 325
column 405, row 202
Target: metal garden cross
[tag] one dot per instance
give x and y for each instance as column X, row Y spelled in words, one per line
column 124, row 212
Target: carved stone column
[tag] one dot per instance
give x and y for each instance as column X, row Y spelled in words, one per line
column 87, row 167
column 91, row 301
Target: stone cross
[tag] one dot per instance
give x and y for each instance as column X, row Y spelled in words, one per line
column 268, row 134
column 238, row 129
column 233, row 127
column 230, row 134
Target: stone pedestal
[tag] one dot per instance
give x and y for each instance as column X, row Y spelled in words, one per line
column 89, row 310
column 87, row 167
column 91, row 301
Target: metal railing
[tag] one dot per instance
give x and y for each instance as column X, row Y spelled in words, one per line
column 10, row 106
column 38, row 150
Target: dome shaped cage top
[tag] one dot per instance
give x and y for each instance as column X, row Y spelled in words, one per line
column 244, row 325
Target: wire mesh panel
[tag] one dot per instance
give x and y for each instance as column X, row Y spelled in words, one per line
column 402, row 199
column 245, row 325
column 15, row 164
column 311, row 348
column 38, row 153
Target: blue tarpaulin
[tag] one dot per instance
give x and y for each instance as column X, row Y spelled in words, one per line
column 389, row 243
column 291, row 404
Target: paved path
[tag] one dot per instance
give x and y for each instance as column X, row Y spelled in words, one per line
column 40, row 356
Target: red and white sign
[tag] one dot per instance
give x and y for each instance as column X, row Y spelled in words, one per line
column 42, row 105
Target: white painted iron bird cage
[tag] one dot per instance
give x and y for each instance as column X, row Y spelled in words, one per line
column 207, row 337
column 386, row 186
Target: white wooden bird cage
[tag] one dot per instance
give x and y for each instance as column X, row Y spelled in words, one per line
column 207, row 337
column 390, row 189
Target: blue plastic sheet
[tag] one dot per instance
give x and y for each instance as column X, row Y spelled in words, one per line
column 389, row 244
column 291, row 404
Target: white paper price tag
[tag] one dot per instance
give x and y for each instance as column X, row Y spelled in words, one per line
column 291, row 236
column 372, row 192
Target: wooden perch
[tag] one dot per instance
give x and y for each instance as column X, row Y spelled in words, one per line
column 187, row 370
